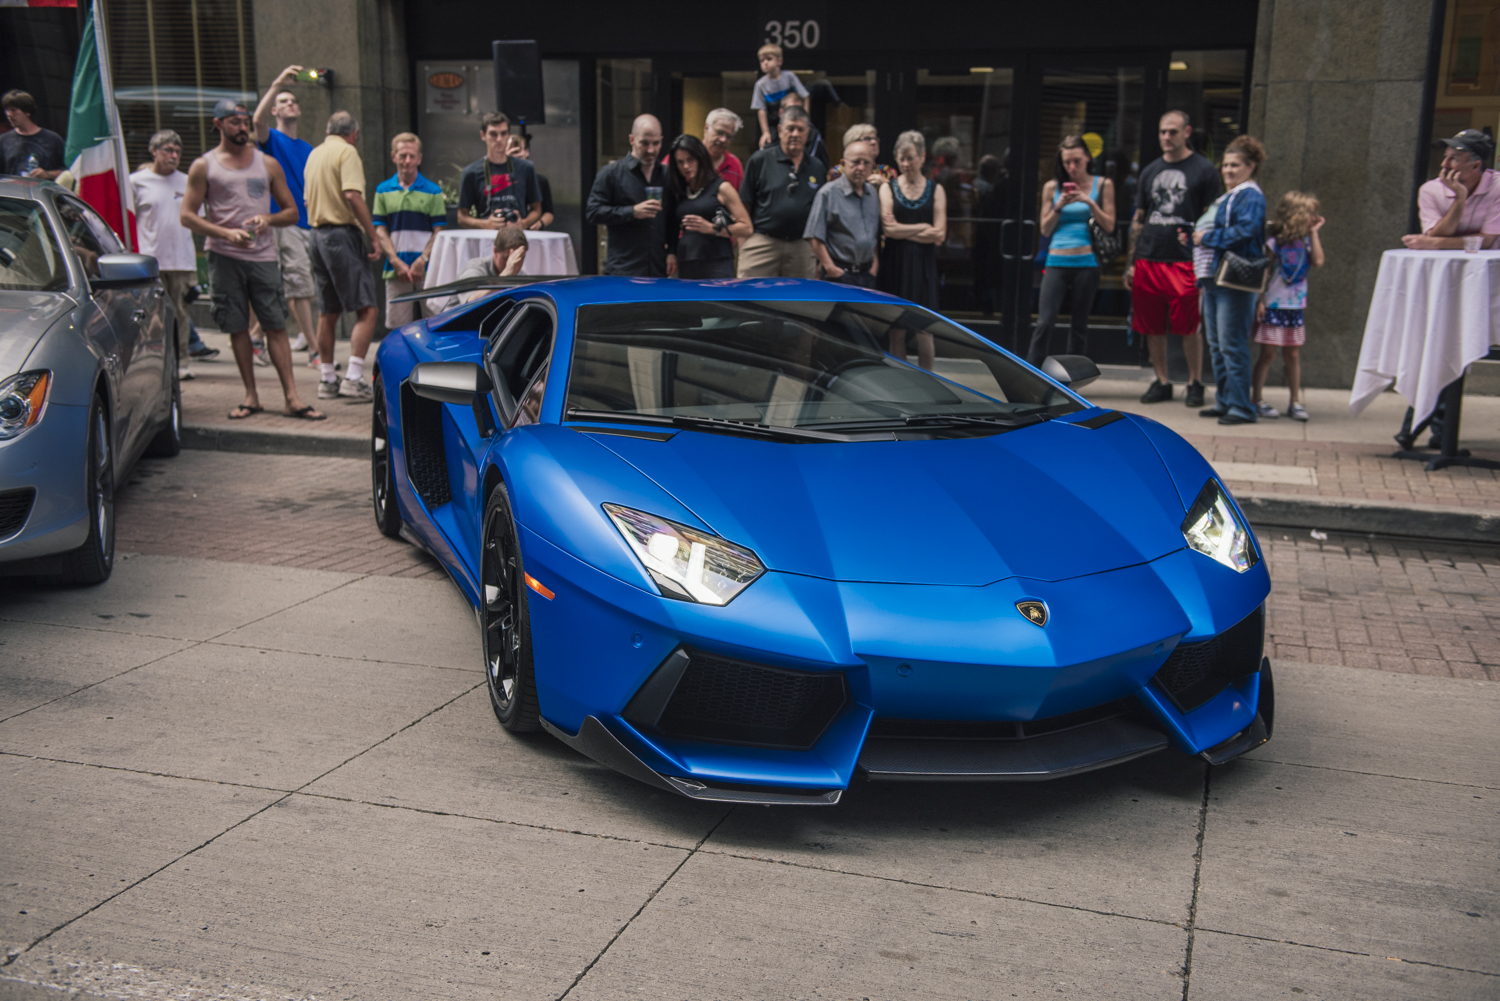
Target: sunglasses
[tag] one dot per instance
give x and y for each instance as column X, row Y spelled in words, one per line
column 792, row 182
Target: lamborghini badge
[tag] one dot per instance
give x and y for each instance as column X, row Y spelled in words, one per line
column 1035, row 612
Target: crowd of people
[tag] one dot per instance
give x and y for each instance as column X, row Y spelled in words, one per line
column 286, row 228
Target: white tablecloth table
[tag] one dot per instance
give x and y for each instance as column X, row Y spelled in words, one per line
column 1433, row 314
column 547, row 253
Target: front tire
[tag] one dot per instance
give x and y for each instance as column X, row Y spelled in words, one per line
column 508, row 667
column 92, row 562
column 382, row 476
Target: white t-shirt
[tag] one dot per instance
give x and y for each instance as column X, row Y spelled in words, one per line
column 158, row 227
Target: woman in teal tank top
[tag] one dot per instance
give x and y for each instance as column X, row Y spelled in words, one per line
column 1068, row 201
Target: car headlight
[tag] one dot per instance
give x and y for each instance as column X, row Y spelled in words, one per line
column 22, row 398
column 686, row 564
column 1213, row 528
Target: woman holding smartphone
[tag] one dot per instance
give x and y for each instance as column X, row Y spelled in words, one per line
column 1069, row 200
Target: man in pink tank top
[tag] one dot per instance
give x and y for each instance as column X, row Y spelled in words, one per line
column 230, row 183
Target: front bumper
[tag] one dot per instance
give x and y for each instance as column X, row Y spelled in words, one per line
column 48, row 459
column 940, row 656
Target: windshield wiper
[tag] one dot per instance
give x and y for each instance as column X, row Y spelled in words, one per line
column 1022, row 418
column 721, row 425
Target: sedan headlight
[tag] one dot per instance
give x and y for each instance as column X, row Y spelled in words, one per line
column 1213, row 528
column 22, row 398
column 686, row 564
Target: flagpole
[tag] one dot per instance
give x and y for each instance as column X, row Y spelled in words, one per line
column 107, row 87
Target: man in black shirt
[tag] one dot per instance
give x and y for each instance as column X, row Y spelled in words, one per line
column 520, row 146
column 780, row 184
column 1171, row 194
column 620, row 201
column 28, row 149
column 498, row 189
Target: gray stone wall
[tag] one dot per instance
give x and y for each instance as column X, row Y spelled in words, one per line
column 1336, row 96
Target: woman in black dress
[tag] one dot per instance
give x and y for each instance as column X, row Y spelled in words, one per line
column 913, row 220
column 703, row 212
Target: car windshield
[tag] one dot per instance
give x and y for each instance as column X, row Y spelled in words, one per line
column 30, row 260
column 814, row 365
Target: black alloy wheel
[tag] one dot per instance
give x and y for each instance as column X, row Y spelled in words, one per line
column 506, row 625
column 92, row 562
column 382, row 476
column 168, row 441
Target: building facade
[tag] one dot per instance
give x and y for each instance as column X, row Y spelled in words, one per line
column 1346, row 95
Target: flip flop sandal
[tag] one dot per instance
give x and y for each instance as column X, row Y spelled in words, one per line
column 306, row 414
column 242, row 411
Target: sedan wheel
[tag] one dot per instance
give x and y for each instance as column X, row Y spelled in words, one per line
column 92, row 562
column 503, row 614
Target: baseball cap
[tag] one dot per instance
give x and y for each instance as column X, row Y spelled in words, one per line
column 1472, row 141
column 228, row 109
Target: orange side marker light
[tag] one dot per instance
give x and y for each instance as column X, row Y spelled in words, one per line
column 539, row 587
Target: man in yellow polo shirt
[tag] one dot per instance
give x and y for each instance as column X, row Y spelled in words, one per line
column 334, row 190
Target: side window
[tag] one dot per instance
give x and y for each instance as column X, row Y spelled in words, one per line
column 522, row 352
column 101, row 231
column 530, row 409
column 80, row 235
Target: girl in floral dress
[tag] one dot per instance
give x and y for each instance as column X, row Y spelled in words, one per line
column 1294, row 249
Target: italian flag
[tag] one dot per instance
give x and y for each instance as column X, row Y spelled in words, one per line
column 96, row 147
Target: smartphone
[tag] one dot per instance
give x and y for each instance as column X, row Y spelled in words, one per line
column 1069, row 188
column 308, row 76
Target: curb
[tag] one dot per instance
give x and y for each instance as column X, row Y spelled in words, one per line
column 214, row 439
column 1362, row 517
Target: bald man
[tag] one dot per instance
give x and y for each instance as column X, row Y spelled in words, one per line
column 626, row 197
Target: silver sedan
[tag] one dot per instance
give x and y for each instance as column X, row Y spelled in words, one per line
column 88, row 380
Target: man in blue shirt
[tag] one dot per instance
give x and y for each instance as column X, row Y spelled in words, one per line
column 292, row 242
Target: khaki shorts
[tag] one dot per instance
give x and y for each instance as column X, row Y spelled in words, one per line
column 177, row 283
column 401, row 313
column 292, row 243
column 764, row 256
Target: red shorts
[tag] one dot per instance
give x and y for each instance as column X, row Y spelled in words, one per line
column 1164, row 298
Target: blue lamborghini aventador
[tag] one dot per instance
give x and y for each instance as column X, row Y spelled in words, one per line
column 719, row 538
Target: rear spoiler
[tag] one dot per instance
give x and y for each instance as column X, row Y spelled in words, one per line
column 466, row 285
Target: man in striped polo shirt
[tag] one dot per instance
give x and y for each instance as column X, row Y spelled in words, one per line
column 409, row 212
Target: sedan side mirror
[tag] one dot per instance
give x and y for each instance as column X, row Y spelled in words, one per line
column 1073, row 371
column 125, row 269
column 458, row 382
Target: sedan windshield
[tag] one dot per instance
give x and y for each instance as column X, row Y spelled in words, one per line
column 30, row 260
column 812, row 365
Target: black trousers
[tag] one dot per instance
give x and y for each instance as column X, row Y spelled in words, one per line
column 1055, row 283
column 706, row 270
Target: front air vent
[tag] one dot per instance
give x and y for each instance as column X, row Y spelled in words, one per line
column 1196, row 672
column 15, row 508
column 422, row 445
column 725, row 700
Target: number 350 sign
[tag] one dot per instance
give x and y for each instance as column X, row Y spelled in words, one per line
column 793, row 34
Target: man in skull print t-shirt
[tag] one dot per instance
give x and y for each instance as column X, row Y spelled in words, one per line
column 1171, row 194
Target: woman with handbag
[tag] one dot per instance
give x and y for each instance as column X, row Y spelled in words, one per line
column 1240, row 269
column 1078, row 213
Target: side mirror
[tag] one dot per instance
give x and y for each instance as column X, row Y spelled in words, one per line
column 125, row 269
column 462, row 383
column 1073, row 371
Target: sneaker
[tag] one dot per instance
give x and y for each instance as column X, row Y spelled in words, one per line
column 1158, row 392
column 1297, row 412
column 1194, row 397
column 1230, row 418
column 356, row 392
column 300, row 344
column 1212, row 412
column 1264, row 409
column 202, row 352
column 328, row 390
column 262, row 356
column 184, row 373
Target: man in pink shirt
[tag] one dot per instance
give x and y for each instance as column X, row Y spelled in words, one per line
column 1463, row 200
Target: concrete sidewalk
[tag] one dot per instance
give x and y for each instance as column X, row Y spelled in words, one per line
column 1334, row 472
column 238, row 781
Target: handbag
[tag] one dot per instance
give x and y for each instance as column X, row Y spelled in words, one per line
column 1106, row 245
column 1237, row 272
column 1242, row 273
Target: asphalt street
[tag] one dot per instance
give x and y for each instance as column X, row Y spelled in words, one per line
column 260, row 763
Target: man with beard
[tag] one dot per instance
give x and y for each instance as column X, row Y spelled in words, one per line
column 1172, row 193
column 230, row 183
